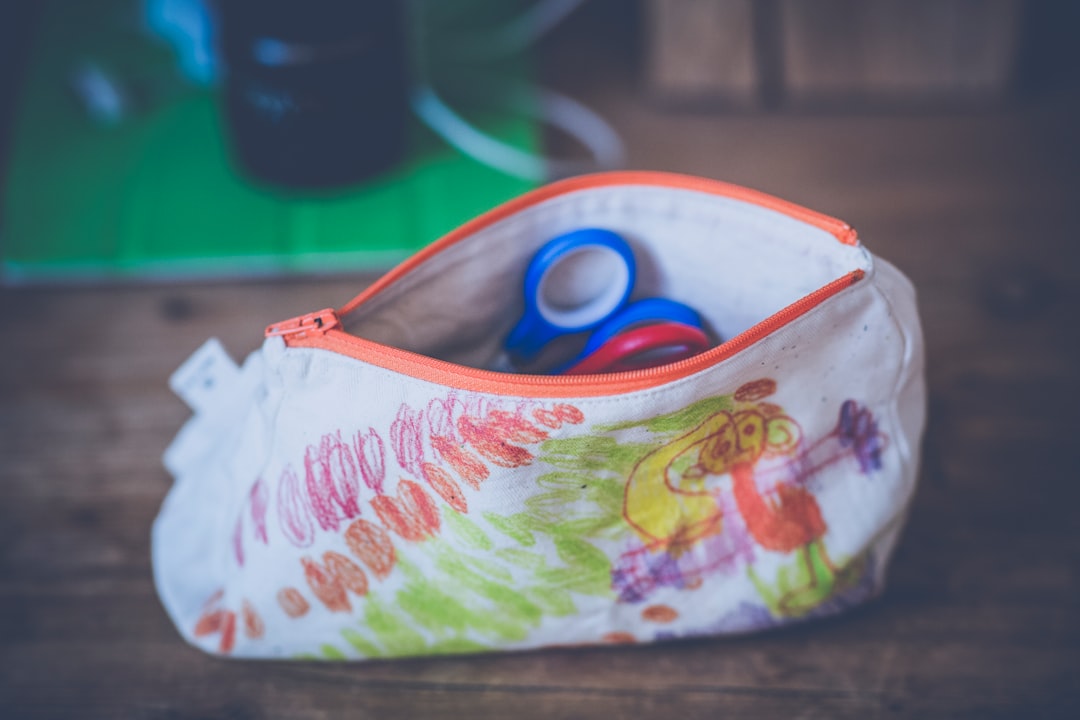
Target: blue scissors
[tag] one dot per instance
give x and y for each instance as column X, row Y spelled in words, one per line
column 580, row 282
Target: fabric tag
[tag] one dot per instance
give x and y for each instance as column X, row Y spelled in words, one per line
column 204, row 376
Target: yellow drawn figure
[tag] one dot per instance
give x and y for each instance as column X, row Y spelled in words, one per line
column 667, row 501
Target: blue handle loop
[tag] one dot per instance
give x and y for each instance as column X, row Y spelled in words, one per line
column 645, row 311
column 573, row 284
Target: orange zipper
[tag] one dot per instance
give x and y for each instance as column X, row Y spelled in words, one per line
column 322, row 329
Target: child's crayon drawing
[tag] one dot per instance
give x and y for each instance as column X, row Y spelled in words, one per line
column 620, row 512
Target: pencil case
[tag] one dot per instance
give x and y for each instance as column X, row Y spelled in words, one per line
column 363, row 488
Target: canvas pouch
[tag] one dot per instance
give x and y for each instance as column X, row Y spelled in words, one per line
column 363, row 487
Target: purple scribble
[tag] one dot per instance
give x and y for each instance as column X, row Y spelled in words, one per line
column 858, row 430
column 640, row 570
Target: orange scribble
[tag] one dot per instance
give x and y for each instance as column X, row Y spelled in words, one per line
column 660, row 614
column 333, row 580
column 569, row 413
column 412, row 515
column 755, row 390
column 790, row 521
column 209, row 623
column 490, row 440
column 467, row 465
column 372, row 545
column 547, row 418
column 347, row 572
column 442, row 483
column 228, row 633
column 254, row 627
column 619, row 638
column 292, row 602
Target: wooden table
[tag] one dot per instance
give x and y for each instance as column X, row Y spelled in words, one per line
column 982, row 617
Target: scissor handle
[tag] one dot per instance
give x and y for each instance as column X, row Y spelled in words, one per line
column 647, row 310
column 618, row 353
column 545, row 318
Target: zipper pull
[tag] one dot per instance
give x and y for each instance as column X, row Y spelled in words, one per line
column 315, row 323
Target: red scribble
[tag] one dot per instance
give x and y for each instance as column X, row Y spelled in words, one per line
column 210, row 623
column 371, row 454
column 228, row 633
column 547, row 418
column 490, row 441
column 372, row 545
column 569, row 413
column 238, row 540
column 333, row 482
column 442, row 483
column 218, row 621
column 254, row 627
column 619, row 638
column 292, row 602
column 660, row 614
column 412, row 515
column 467, row 465
column 294, row 515
column 792, row 520
column 406, row 439
column 755, row 390
column 258, row 499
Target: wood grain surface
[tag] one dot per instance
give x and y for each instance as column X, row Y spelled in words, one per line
column 982, row 615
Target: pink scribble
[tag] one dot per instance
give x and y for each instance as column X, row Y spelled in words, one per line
column 257, row 501
column 333, row 482
column 371, row 455
column 294, row 515
column 407, row 440
column 238, row 540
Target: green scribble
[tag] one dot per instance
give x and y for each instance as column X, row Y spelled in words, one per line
column 553, row 601
column 361, row 644
column 516, row 527
column 392, row 631
column 466, row 529
column 432, row 608
column 509, row 602
column 807, row 582
column 521, row 558
column 456, row 646
column 593, row 453
column 678, row 421
column 331, row 653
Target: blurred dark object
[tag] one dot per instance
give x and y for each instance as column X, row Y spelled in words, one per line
column 848, row 53
column 17, row 24
column 316, row 90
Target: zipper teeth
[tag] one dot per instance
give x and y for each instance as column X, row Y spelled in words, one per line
column 838, row 228
column 419, row 365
